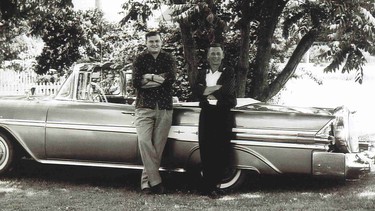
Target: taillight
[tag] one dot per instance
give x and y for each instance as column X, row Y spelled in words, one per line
column 344, row 142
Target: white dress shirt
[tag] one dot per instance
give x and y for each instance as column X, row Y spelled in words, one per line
column 211, row 80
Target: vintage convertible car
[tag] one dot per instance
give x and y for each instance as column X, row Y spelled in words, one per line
column 90, row 123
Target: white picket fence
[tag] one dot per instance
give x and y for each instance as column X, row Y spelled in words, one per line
column 19, row 83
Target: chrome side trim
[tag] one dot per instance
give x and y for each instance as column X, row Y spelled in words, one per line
column 190, row 133
column 106, row 128
column 275, row 132
column 67, row 125
column 250, row 168
column 266, row 137
column 105, row 165
column 272, row 135
column 185, row 133
column 32, row 123
column 280, row 145
column 260, row 157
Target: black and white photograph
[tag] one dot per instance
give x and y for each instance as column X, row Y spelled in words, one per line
column 187, row 105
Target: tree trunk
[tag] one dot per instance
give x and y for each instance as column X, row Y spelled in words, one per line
column 290, row 68
column 303, row 46
column 189, row 52
column 268, row 19
column 243, row 63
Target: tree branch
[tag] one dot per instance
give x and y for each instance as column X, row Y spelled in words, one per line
column 290, row 68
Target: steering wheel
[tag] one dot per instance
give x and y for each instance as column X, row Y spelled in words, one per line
column 96, row 93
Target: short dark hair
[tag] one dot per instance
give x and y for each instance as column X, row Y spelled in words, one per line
column 152, row 33
column 215, row 45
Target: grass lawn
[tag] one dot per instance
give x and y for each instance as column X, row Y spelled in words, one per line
column 41, row 187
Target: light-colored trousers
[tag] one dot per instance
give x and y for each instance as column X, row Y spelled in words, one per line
column 152, row 129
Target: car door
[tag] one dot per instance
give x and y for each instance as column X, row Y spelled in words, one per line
column 86, row 131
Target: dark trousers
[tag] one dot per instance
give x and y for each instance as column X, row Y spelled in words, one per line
column 215, row 132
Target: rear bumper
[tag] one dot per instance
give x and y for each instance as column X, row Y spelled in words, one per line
column 357, row 164
column 342, row 165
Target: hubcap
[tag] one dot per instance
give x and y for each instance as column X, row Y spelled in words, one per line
column 4, row 153
column 231, row 178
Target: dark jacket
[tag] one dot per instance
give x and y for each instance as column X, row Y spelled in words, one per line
column 150, row 97
column 226, row 95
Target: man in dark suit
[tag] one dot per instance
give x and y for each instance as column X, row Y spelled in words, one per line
column 215, row 88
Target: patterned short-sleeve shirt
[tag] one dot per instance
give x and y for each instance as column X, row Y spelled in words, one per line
column 162, row 95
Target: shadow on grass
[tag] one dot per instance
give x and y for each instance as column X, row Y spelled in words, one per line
column 75, row 175
column 32, row 172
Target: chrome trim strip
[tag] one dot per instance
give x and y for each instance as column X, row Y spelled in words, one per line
column 34, row 123
column 106, row 165
column 251, row 168
column 274, row 138
column 280, row 145
column 260, row 157
column 66, row 125
column 106, row 128
column 275, row 132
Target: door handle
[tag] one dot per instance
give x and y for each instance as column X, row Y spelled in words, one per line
column 128, row 112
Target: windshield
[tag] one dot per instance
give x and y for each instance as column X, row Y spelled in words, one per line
column 66, row 90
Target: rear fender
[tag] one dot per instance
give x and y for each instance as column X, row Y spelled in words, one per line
column 241, row 158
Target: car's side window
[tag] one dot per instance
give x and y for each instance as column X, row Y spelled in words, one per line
column 111, row 82
column 129, row 89
column 99, row 83
column 67, row 89
column 83, row 86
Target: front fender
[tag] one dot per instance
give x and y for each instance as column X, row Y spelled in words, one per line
column 35, row 149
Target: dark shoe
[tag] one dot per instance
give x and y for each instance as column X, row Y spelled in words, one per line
column 146, row 191
column 211, row 194
column 214, row 195
column 158, row 189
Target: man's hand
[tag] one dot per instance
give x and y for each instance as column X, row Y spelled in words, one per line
column 210, row 89
column 211, row 97
column 152, row 80
column 150, row 84
column 158, row 78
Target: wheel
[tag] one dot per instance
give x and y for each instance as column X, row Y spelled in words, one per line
column 233, row 179
column 6, row 154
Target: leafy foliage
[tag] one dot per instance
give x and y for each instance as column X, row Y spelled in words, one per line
column 172, row 44
column 350, row 26
column 137, row 13
column 345, row 27
column 27, row 17
column 62, row 37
